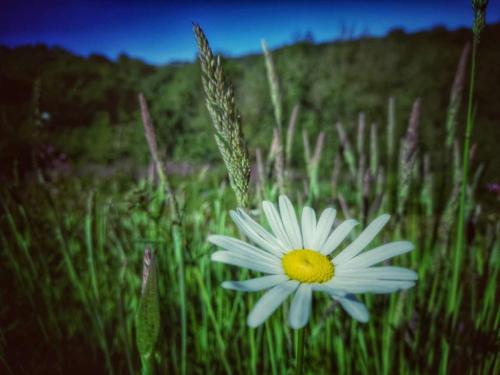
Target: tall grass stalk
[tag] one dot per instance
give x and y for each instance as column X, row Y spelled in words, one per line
column 391, row 150
column 176, row 226
column 313, row 161
column 292, row 125
column 260, row 173
column 337, row 165
column 272, row 79
column 391, row 128
column 374, row 154
column 456, row 96
column 281, row 153
column 408, row 157
column 90, row 246
column 271, row 154
column 225, row 119
column 361, row 158
column 347, row 150
column 279, row 161
column 149, row 132
column 479, row 8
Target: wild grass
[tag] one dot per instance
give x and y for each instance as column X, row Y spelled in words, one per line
column 74, row 259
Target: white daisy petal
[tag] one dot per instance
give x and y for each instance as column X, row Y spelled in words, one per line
column 353, row 285
column 246, row 261
column 337, row 236
column 308, row 227
column 383, row 273
column 354, row 308
column 260, row 230
column 301, row 306
column 325, row 224
column 236, row 246
column 253, row 285
column 290, row 223
column 379, row 254
column 270, row 301
column 256, row 233
column 326, row 288
column 363, row 240
column 274, row 220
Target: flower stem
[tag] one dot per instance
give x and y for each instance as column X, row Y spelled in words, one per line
column 299, row 351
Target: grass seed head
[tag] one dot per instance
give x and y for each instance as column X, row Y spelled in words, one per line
column 272, row 78
column 225, row 117
column 456, row 96
column 479, row 8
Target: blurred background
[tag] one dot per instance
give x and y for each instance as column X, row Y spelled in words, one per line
column 73, row 70
column 79, row 201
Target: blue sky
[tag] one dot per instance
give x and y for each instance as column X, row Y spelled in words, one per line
column 160, row 31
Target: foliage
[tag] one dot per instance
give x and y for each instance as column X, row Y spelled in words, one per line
column 73, row 247
column 331, row 82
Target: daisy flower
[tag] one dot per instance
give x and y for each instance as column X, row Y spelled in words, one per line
column 297, row 258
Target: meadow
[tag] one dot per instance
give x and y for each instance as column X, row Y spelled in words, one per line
column 72, row 246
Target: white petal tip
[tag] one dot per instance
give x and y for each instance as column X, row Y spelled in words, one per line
column 297, row 325
column 408, row 285
column 364, row 319
column 384, row 217
column 212, row 238
column 216, row 257
column 252, row 323
column 412, row 275
column 408, row 245
column 357, row 310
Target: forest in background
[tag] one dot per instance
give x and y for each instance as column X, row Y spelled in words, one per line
column 55, row 104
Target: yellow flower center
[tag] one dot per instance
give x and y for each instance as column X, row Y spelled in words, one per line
column 308, row 266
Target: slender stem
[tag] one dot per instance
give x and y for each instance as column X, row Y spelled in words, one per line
column 271, row 347
column 299, row 351
column 459, row 248
column 147, row 364
column 182, row 294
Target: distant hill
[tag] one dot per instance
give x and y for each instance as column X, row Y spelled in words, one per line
column 87, row 107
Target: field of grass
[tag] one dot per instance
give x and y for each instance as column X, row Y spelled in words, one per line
column 72, row 252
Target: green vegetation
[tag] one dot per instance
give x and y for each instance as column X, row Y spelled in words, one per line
column 94, row 114
column 73, row 247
